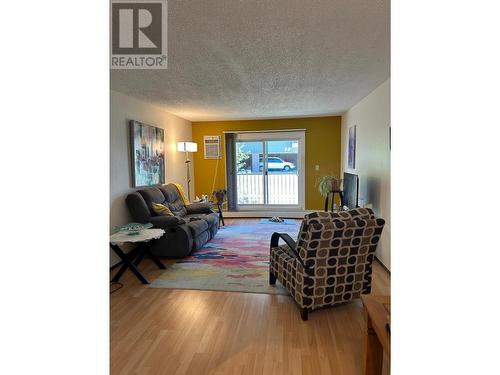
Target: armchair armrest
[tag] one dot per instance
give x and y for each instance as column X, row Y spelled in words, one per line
column 199, row 208
column 275, row 238
column 166, row 221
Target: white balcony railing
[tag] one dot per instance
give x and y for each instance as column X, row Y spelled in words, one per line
column 283, row 188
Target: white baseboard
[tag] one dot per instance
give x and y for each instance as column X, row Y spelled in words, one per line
column 259, row 214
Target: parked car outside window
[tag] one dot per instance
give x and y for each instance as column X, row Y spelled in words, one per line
column 275, row 163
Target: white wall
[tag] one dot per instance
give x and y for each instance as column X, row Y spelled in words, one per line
column 122, row 109
column 372, row 118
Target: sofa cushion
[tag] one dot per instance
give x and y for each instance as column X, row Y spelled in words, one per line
column 199, row 208
column 177, row 208
column 213, row 223
column 173, row 200
column 197, row 227
column 170, row 192
column 201, row 240
column 166, row 221
column 152, row 195
column 212, row 219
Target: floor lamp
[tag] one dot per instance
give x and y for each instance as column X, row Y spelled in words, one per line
column 187, row 147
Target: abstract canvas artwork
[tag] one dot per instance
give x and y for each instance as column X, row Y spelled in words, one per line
column 351, row 156
column 148, row 154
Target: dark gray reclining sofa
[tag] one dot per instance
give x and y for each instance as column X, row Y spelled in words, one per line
column 190, row 228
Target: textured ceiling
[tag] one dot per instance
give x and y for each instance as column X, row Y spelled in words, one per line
column 248, row 59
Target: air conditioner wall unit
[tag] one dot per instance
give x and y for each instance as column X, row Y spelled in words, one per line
column 212, row 147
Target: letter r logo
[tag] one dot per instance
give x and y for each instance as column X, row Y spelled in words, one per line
column 137, row 28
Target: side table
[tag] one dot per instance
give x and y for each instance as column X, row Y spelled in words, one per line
column 377, row 311
column 219, row 211
column 144, row 239
column 341, row 196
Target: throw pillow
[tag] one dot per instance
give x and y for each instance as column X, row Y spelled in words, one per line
column 161, row 209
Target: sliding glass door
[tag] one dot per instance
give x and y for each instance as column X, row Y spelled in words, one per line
column 269, row 170
column 250, row 177
column 282, row 172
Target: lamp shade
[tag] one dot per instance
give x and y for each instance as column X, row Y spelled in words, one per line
column 187, row 146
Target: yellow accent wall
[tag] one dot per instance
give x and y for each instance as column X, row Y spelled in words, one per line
column 323, row 147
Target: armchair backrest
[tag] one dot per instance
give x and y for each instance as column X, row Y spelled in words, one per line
column 355, row 213
column 337, row 250
column 328, row 217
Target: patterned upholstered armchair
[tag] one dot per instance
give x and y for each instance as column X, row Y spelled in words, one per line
column 331, row 263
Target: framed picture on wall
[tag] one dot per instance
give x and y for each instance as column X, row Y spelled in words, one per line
column 351, row 153
column 147, row 150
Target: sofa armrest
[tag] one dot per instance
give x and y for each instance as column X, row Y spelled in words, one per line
column 166, row 221
column 275, row 238
column 199, row 208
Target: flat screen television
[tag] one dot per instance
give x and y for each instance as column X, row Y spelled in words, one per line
column 351, row 190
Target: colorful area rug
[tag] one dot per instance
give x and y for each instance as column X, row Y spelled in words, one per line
column 236, row 260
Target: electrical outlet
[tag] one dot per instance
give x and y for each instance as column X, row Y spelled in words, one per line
column 317, row 167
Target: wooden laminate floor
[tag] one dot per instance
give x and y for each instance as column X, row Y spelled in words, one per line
column 166, row 331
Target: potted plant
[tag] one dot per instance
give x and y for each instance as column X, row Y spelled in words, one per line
column 327, row 184
column 220, row 195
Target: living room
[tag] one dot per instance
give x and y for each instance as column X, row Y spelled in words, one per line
column 221, row 175
column 252, row 187
column 234, row 262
